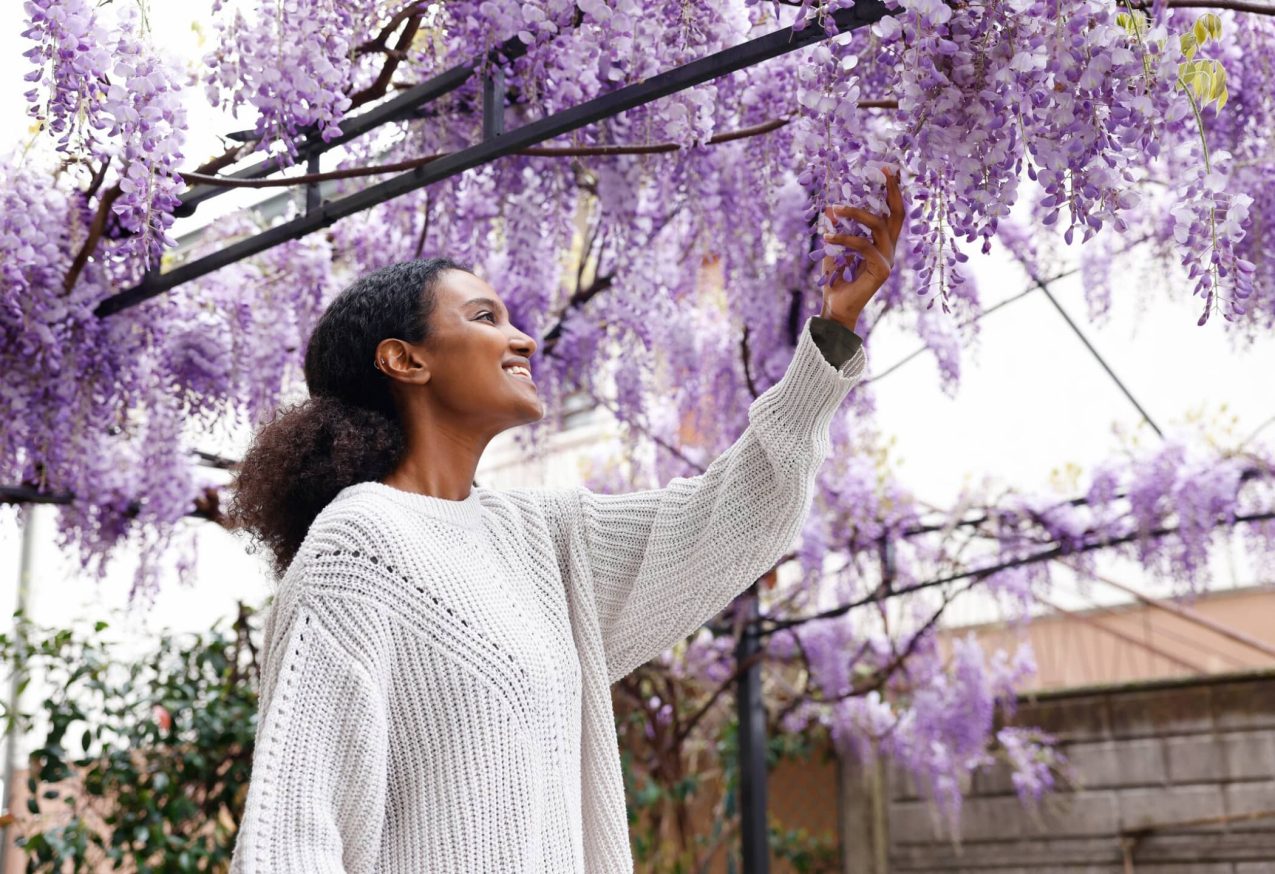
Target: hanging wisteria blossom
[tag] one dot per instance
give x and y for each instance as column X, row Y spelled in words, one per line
column 665, row 256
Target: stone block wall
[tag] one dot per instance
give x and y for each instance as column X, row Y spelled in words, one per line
column 1171, row 777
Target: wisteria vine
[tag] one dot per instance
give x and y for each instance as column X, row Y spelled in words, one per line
column 1104, row 121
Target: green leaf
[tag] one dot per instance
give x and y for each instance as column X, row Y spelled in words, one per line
column 1213, row 24
column 1187, row 41
column 1219, row 82
column 1200, row 32
column 1133, row 24
column 1202, row 81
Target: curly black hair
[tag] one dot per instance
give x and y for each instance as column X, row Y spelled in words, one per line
column 348, row 430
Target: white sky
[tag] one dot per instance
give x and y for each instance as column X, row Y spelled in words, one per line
column 1032, row 399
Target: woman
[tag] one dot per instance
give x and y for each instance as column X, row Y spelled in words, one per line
column 438, row 656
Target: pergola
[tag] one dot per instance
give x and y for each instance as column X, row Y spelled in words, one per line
column 498, row 142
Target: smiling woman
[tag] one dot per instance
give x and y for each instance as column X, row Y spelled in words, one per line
column 469, row 380
column 435, row 694
column 350, row 429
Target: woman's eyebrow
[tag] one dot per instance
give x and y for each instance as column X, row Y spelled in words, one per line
column 486, row 301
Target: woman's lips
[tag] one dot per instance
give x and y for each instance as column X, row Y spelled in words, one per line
column 518, row 375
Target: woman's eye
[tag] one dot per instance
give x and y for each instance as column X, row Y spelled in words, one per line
column 491, row 316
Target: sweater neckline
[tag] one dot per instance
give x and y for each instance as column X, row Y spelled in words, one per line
column 466, row 512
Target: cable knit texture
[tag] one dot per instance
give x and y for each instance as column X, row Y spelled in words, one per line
column 436, row 676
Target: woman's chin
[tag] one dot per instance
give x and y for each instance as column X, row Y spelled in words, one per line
column 533, row 413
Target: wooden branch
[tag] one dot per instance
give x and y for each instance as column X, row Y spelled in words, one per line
column 420, row 241
column 1233, row 5
column 577, row 300
column 745, row 355
column 208, row 506
column 230, row 156
column 98, row 177
column 741, row 668
column 775, row 625
column 382, row 39
column 587, row 250
column 96, row 228
column 654, row 438
column 381, row 85
column 537, row 151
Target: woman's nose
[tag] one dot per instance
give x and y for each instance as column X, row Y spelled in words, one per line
column 524, row 344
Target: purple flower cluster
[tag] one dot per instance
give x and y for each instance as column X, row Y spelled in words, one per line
column 1034, row 761
column 291, row 61
column 1209, row 225
column 72, row 56
column 147, row 119
column 110, row 98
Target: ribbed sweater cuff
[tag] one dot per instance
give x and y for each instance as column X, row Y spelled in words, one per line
column 804, row 401
column 837, row 342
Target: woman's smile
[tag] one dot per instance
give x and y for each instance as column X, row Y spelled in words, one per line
column 519, row 371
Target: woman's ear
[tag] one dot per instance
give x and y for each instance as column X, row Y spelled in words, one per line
column 402, row 361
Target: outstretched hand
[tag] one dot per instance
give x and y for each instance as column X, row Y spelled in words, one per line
column 844, row 300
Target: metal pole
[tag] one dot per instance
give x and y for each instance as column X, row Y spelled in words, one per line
column 312, row 200
column 753, row 828
column 11, row 742
column 494, row 103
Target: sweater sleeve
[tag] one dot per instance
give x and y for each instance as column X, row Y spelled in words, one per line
column 316, row 799
column 664, row 561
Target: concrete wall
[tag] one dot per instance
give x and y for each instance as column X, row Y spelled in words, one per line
column 1173, row 776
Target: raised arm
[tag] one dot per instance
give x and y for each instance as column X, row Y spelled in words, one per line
column 660, row 562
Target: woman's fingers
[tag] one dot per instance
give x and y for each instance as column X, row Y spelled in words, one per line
column 894, row 199
column 861, row 244
column 874, row 269
column 869, row 220
column 852, row 240
column 879, row 226
column 889, row 227
column 879, row 260
column 851, row 294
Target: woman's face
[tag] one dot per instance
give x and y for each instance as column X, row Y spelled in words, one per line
column 470, row 354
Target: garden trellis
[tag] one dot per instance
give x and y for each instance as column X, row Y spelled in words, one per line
column 497, row 142
column 691, row 137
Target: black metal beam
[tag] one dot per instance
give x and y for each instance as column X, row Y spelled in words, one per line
column 29, row 495
column 400, row 107
column 720, row 64
column 312, row 199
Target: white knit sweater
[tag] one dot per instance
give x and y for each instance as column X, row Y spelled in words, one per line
column 435, row 683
